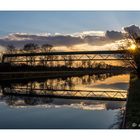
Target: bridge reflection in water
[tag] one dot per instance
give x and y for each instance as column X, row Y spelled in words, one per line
column 88, row 101
column 66, row 88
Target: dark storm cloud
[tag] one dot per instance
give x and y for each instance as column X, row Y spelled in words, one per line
column 114, row 35
column 133, row 31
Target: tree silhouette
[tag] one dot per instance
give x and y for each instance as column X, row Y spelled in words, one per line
column 30, row 47
column 10, row 48
column 133, row 38
column 46, row 47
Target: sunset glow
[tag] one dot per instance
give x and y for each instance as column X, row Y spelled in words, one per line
column 133, row 47
column 69, row 69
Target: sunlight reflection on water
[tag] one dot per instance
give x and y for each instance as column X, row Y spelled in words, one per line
column 45, row 112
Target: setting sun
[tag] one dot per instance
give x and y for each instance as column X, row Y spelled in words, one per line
column 133, row 47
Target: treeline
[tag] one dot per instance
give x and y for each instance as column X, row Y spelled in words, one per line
column 7, row 67
column 30, row 47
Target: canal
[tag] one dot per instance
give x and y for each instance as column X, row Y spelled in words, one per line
column 64, row 113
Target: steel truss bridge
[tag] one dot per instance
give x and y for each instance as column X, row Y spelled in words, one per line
column 113, row 95
column 58, row 89
column 70, row 59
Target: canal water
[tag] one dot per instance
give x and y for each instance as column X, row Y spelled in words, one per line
column 63, row 113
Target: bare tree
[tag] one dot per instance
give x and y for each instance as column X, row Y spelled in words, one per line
column 10, row 48
column 46, row 47
column 132, row 44
column 30, row 47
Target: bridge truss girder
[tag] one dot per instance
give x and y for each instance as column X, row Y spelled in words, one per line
column 82, row 60
column 97, row 95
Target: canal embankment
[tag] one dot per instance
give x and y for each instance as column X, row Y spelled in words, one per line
column 132, row 113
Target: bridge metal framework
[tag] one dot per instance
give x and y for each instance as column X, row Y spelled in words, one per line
column 114, row 95
column 68, row 83
column 64, row 89
column 70, row 59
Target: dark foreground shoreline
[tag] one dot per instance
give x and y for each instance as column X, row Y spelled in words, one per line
column 53, row 74
column 12, row 72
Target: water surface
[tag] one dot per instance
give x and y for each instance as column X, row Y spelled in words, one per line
column 51, row 112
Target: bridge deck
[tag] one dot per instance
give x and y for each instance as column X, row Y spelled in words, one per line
column 67, row 97
column 67, row 53
column 115, row 95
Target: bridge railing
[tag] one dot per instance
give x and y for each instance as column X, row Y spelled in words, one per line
column 118, row 95
column 70, row 59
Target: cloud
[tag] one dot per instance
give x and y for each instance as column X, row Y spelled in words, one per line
column 2, row 48
column 133, row 31
column 19, row 39
column 94, row 38
column 89, row 33
column 114, row 35
column 117, row 86
column 79, row 41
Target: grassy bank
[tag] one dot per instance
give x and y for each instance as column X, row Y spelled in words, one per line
column 53, row 74
column 132, row 116
column 8, row 71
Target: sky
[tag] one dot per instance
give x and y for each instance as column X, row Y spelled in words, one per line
column 65, row 21
column 68, row 30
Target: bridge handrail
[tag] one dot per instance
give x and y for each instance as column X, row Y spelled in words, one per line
column 66, row 53
column 122, row 91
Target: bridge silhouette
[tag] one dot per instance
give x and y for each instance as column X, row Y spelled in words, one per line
column 47, row 59
column 63, row 88
column 67, row 58
column 70, row 59
column 85, row 58
column 110, row 95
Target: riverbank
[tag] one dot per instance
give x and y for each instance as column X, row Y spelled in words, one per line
column 53, row 74
column 12, row 72
column 132, row 114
